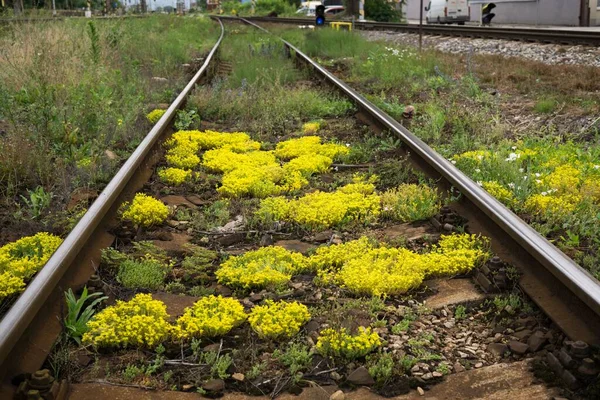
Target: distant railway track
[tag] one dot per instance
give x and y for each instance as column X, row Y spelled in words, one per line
column 569, row 295
column 519, row 34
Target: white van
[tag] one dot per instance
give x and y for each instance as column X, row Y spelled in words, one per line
column 448, row 12
column 308, row 8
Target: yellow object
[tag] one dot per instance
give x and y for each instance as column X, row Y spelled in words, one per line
column 337, row 24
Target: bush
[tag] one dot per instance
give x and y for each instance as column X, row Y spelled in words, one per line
column 146, row 273
column 381, row 11
column 340, row 343
column 278, row 321
column 209, row 317
column 145, row 211
column 142, row 321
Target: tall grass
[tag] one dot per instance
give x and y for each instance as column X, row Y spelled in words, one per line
column 71, row 90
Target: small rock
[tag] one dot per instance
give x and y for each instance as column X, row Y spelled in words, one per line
column 409, row 111
column 518, row 347
column 110, row 154
column 214, row 386
column 537, row 341
column 335, row 376
column 421, row 391
column 223, row 290
column 479, row 365
column 266, row 240
column 255, row 298
column 339, row 395
column 187, row 388
column 214, row 347
column 312, row 326
column 428, row 376
column 84, row 360
column 497, row 349
column 415, row 368
column 322, row 236
column 437, row 374
column 238, row 377
column 458, row 367
column 449, row 325
column 360, row 376
column 159, row 79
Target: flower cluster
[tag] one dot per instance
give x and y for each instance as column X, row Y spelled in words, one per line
column 455, row 254
column 366, row 268
column 310, row 128
column 409, row 202
column 154, row 115
column 340, row 343
column 174, row 176
column 309, row 145
column 321, row 210
column 145, row 211
column 210, row 316
column 278, row 320
column 21, row 259
column 142, row 321
column 501, row 193
column 265, row 267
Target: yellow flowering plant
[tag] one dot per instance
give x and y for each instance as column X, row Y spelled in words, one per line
column 310, row 128
column 322, row 210
column 209, row 317
column 266, row 267
column 141, row 321
column 278, row 320
column 145, row 211
column 342, row 344
column 154, row 115
column 174, row 176
column 409, row 202
column 21, row 259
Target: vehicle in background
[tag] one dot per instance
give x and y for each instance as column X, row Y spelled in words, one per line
column 333, row 10
column 308, row 8
column 448, row 12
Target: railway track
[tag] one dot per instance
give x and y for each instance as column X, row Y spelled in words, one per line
column 566, row 293
column 519, row 34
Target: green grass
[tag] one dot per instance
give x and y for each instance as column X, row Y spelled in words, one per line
column 73, row 90
column 545, row 106
column 263, row 82
column 142, row 274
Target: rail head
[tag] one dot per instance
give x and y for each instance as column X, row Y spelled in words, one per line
column 580, row 282
column 23, row 311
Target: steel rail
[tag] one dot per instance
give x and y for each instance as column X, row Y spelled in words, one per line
column 578, row 281
column 521, row 34
column 23, row 311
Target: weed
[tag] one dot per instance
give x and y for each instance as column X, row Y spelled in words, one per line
column 297, row 357
column 201, row 291
column 187, row 120
column 406, row 362
column 460, row 312
column 146, row 273
column 443, row 368
column 545, row 106
column 158, row 362
column 175, row 287
column 131, row 372
column 256, row 370
column 77, row 316
column 219, row 363
column 381, row 367
column 37, row 201
column 402, row 326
